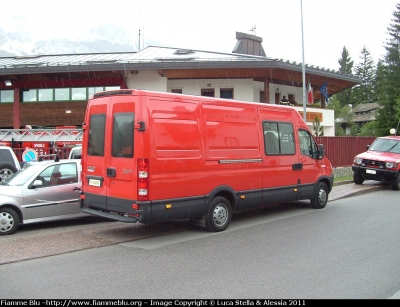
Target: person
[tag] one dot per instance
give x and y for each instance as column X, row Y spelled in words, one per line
column 284, row 100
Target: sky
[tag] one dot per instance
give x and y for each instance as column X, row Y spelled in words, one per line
column 290, row 29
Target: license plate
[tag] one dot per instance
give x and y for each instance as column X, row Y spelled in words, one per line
column 94, row 182
column 370, row 171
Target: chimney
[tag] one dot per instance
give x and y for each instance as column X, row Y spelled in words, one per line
column 248, row 44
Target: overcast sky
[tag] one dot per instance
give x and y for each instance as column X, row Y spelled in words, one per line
column 211, row 25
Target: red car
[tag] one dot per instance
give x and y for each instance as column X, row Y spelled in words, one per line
column 381, row 162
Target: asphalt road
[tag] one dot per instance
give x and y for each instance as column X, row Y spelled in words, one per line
column 347, row 250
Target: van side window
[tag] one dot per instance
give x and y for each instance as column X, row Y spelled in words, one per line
column 97, row 127
column 122, row 136
column 307, row 144
column 278, row 138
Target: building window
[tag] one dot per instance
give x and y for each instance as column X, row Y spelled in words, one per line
column 226, row 93
column 46, row 94
column 209, row 92
column 291, row 98
column 111, row 88
column 79, row 93
column 176, row 90
column 55, row 94
column 61, row 94
column 92, row 90
column 29, row 95
column 6, row 96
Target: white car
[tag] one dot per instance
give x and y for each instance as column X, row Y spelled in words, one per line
column 41, row 191
column 75, row 152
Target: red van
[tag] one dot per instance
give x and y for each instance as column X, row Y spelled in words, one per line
column 150, row 157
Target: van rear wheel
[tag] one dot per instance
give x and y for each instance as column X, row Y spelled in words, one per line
column 219, row 214
column 321, row 196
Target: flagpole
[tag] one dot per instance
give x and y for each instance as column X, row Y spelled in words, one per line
column 303, row 66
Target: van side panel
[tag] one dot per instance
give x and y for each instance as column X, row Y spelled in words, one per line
column 232, row 154
column 280, row 179
column 176, row 163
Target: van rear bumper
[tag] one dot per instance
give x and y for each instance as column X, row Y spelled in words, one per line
column 110, row 215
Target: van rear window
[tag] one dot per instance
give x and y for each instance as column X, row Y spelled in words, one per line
column 97, row 128
column 122, row 142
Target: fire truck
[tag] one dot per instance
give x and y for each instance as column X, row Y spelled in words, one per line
column 29, row 143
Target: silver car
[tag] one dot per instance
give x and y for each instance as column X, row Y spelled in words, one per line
column 41, row 191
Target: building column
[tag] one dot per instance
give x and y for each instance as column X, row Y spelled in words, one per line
column 266, row 91
column 16, row 108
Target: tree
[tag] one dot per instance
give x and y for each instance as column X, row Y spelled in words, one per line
column 343, row 115
column 345, row 66
column 388, row 116
column 364, row 92
column 369, row 129
column 319, row 130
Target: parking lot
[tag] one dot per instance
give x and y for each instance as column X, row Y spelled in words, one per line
column 53, row 238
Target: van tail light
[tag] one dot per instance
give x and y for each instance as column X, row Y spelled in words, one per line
column 143, row 179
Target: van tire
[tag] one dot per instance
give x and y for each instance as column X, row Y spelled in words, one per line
column 219, row 214
column 6, row 171
column 357, row 178
column 9, row 221
column 321, row 196
column 396, row 182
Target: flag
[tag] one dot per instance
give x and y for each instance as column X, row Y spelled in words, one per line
column 310, row 98
column 324, row 91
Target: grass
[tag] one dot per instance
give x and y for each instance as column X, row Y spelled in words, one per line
column 336, row 179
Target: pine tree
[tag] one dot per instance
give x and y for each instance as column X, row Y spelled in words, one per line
column 365, row 91
column 388, row 116
column 345, row 66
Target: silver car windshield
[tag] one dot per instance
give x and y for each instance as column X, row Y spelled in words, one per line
column 22, row 176
column 386, row 145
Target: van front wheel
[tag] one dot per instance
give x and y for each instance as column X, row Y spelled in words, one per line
column 219, row 214
column 321, row 196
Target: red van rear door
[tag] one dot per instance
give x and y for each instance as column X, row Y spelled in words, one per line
column 93, row 153
column 120, row 159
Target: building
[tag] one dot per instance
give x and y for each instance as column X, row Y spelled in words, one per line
column 362, row 114
column 52, row 90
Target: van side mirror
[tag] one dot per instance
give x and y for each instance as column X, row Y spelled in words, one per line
column 368, row 146
column 321, row 151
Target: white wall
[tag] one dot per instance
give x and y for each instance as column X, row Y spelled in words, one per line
column 244, row 89
column 146, row 80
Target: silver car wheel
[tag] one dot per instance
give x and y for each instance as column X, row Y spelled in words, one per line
column 6, row 222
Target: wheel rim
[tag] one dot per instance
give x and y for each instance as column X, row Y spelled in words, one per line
column 322, row 197
column 5, row 174
column 6, row 221
column 220, row 214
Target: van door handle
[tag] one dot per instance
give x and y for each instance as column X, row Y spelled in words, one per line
column 111, row 172
column 297, row 166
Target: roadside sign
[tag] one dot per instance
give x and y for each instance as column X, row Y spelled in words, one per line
column 29, row 154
